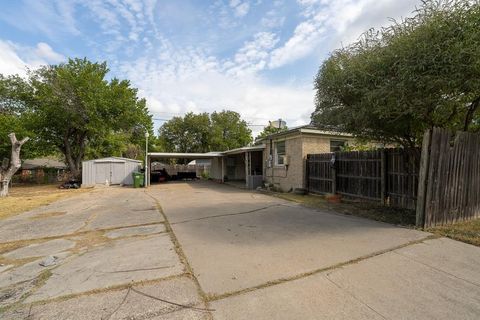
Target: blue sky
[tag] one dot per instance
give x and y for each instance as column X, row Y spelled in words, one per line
column 256, row 57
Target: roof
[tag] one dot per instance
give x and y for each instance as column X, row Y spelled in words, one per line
column 308, row 129
column 36, row 163
column 207, row 155
column 185, row 155
column 113, row 159
column 244, row 149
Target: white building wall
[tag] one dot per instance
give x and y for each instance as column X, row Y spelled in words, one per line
column 115, row 170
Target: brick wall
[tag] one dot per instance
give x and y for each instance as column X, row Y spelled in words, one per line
column 296, row 147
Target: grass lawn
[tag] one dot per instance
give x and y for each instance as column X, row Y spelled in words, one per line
column 468, row 231
column 355, row 208
column 26, row 197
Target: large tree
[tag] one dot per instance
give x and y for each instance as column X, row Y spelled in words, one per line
column 229, row 131
column 190, row 133
column 77, row 110
column 16, row 99
column 396, row 82
column 203, row 132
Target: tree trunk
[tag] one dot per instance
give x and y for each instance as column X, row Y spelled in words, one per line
column 470, row 112
column 6, row 174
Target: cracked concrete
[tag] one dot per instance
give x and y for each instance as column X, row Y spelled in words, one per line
column 135, row 231
column 120, row 263
column 41, row 249
column 135, row 249
column 113, row 305
column 259, row 261
column 216, row 252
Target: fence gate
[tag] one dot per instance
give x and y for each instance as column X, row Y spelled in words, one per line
column 318, row 173
column 449, row 188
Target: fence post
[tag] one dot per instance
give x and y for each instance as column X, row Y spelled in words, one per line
column 333, row 169
column 422, row 179
column 383, row 175
column 307, row 173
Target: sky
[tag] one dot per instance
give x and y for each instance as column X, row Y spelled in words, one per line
column 256, row 57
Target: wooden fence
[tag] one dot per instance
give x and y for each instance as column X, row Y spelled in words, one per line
column 449, row 188
column 389, row 176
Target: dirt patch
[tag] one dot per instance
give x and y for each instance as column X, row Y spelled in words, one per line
column 24, row 198
column 89, row 240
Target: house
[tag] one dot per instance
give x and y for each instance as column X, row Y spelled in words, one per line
column 277, row 160
column 41, row 170
column 286, row 152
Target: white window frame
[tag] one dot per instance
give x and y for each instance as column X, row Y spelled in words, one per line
column 278, row 156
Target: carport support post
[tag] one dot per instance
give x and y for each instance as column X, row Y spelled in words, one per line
column 223, row 175
column 246, row 169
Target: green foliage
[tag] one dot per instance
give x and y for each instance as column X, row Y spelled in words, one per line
column 204, row 133
column 229, row 131
column 71, row 108
column 396, row 82
column 268, row 130
column 16, row 99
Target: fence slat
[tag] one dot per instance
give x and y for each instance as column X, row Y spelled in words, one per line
column 386, row 175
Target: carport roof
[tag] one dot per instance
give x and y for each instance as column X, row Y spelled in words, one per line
column 207, row 155
column 185, row 155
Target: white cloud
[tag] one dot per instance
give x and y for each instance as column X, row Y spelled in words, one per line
column 252, row 57
column 240, row 8
column 177, row 81
column 10, row 62
column 45, row 52
column 342, row 21
column 16, row 59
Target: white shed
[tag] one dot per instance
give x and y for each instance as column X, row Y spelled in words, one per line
column 115, row 170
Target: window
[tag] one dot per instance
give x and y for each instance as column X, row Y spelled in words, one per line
column 337, row 145
column 279, row 152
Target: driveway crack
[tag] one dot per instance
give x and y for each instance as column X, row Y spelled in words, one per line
column 436, row 269
column 230, row 214
column 354, row 297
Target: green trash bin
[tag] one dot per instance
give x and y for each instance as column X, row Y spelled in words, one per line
column 138, row 180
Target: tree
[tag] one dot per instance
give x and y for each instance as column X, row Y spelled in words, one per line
column 229, row 131
column 8, row 169
column 268, row 130
column 396, row 82
column 78, row 111
column 190, row 133
column 16, row 98
column 202, row 132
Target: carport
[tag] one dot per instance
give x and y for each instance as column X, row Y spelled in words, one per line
column 242, row 164
column 162, row 156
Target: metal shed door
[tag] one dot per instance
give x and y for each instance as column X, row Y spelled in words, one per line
column 102, row 172
column 117, row 173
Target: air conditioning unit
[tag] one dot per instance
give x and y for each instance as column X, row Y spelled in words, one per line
column 286, row 160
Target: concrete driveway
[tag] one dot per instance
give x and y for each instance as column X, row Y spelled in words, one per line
column 202, row 250
column 260, row 257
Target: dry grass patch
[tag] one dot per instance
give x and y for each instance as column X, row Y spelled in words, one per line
column 25, row 198
column 468, row 231
column 363, row 209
